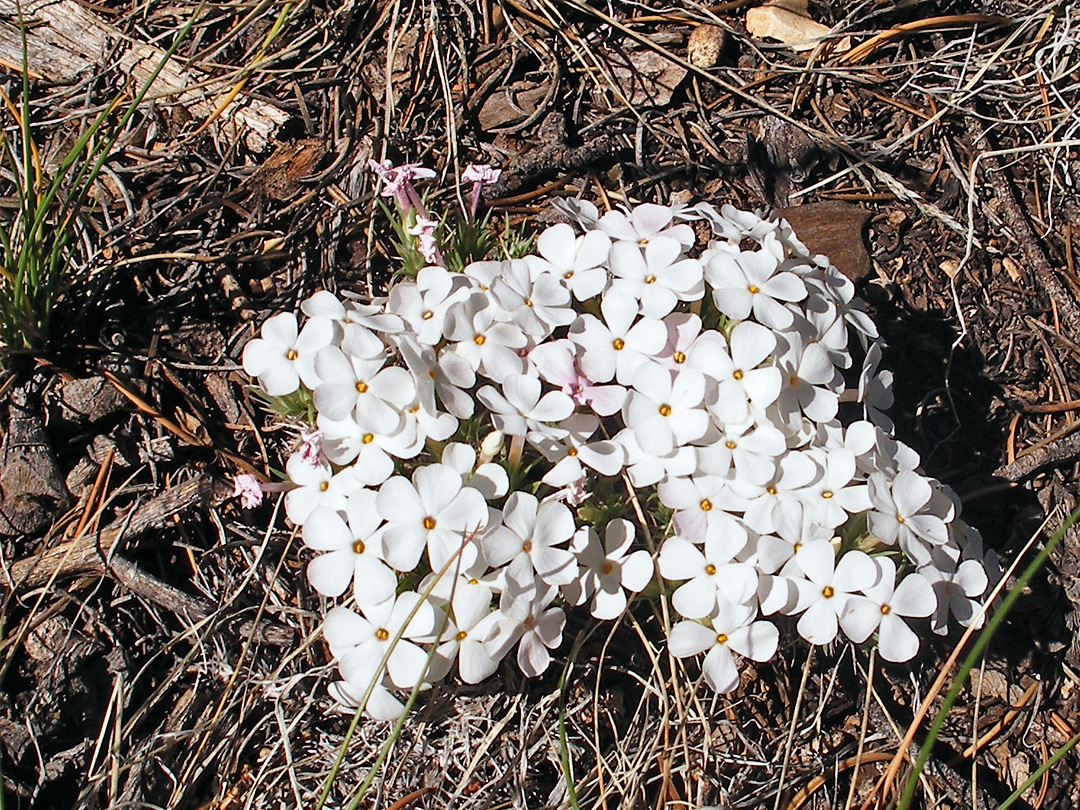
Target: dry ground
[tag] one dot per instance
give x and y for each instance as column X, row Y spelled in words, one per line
column 160, row 646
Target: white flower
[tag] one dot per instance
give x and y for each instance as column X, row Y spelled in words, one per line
column 810, row 381
column 902, row 514
column 317, row 485
column 381, row 703
column 739, row 380
column 426, row 304
column 699, row 502
column 655, row 275
column 664, row 409
column 489, row 345
column 571, row 454
column 490, row 479
column 828, row 586
column 324, row 304
column 353, row 552
column 875, row 389
column 608, row 571
column 281, row 358
column 537, row 305
column 745, row 282
column 520, row 410
column 577, row 260
column 958, row 591
column 393, row 626
column 466, row 635
column 616, row 347
column 536, row 628
column 433, row 510
column 732, row 629
column 646, row 469
column 362, row 389
column 530, row 541
column 448, row 377
column 368, row 450
column 644, row 224
column 712, row 576
column 751, row 449
column 836, row 493
column 763, row 504
column 884, row 608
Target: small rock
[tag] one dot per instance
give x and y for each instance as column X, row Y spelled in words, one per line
column 705, row 45
column 835, row 229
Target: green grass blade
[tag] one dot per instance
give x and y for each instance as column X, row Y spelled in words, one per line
column 982, row 641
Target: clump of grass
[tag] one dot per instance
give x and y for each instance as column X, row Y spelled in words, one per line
column 39, row 256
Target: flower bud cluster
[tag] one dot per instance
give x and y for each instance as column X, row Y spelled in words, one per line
column 483, row 436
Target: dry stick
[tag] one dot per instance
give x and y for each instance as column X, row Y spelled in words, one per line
column 93, row 553
column 794, row 725
column 1025, row 237
column 863, row 726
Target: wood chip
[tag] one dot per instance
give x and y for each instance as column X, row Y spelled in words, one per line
column 797, row 31
column 66, row 42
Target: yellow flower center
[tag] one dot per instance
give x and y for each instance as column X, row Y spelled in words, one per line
column 526, row 546
column 737, row 374
column 826, row 494
column 474, row 581
column 705, row 504
column 771, row 490
column 528, row 302
column 618, row 344
column 358, row 547
column 753, row 288
column 461, row 635
column 899, row 518
column 730, row 445
column 793, row 379
column 609, row 566
column 679, row 357
column 382, row 635
column 324, row 485
column 572, row 452
column 291, row 354
column 569, row 274
column 361, row 387
column 885, row 610
column 721, row 638
column 665, row 410
column 429, row 523
column 368, row 438
column 827, row 591
column 479, row 340
column 650, row 279
column 710, row 569
column 428, row 315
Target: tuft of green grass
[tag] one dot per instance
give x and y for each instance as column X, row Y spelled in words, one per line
column 39, row 258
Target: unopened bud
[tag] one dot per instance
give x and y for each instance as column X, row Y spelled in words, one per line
column 491, row 446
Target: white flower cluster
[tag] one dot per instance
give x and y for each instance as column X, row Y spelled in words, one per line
column 460, row 419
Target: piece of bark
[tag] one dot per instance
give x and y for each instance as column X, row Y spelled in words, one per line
column 836, row 229
column 32, row 491
column 90, row 553
column 64, row 41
